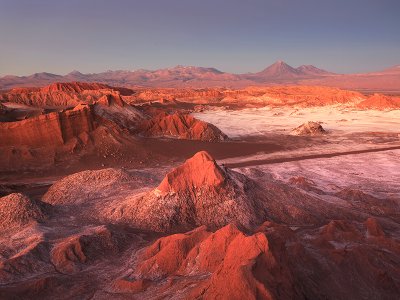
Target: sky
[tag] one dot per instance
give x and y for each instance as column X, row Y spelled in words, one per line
column 59, row 36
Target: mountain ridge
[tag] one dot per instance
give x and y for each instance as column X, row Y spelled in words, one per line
column 200, row 77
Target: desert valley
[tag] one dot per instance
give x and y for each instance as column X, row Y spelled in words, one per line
column 113, row 188
column 199, row 150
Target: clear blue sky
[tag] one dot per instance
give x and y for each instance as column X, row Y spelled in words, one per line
column 239, row 36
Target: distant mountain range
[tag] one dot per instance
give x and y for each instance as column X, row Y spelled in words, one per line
column 200, row 77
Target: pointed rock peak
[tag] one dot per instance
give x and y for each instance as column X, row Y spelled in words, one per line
column 199, row 171
column 280, row 62
column 202, row 156
column 280, row 68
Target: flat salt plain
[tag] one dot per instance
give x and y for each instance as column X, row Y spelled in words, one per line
column 260, row 121
column 376, row 172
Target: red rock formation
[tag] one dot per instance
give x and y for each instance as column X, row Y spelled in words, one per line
column 199, row 171
column 17, row 210
column 197, row 193
column 110, row 99
column 76, row 87
column 181, row 126
column 71, row 94
column 112, row 108
column 272, row 263
column 48, row 130
column 62, row 94
column 380, row 102
column 305, row 96
column 206, row 262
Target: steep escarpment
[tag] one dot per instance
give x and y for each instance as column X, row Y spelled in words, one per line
column 109, row 125
column 48, row 130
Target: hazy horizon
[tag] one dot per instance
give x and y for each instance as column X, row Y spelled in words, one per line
column 170, row 67
column 95, row 36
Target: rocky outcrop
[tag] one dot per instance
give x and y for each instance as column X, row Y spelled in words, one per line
column 64, row 94
column 212, row 260
column 74, row 87
column 380, row 102
column 181, row 126
column 273, row 262
column 293, row 95
column 52, row 129
column 17, row 210
column 310, row 129
column 199, row 192
column 112, row 108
